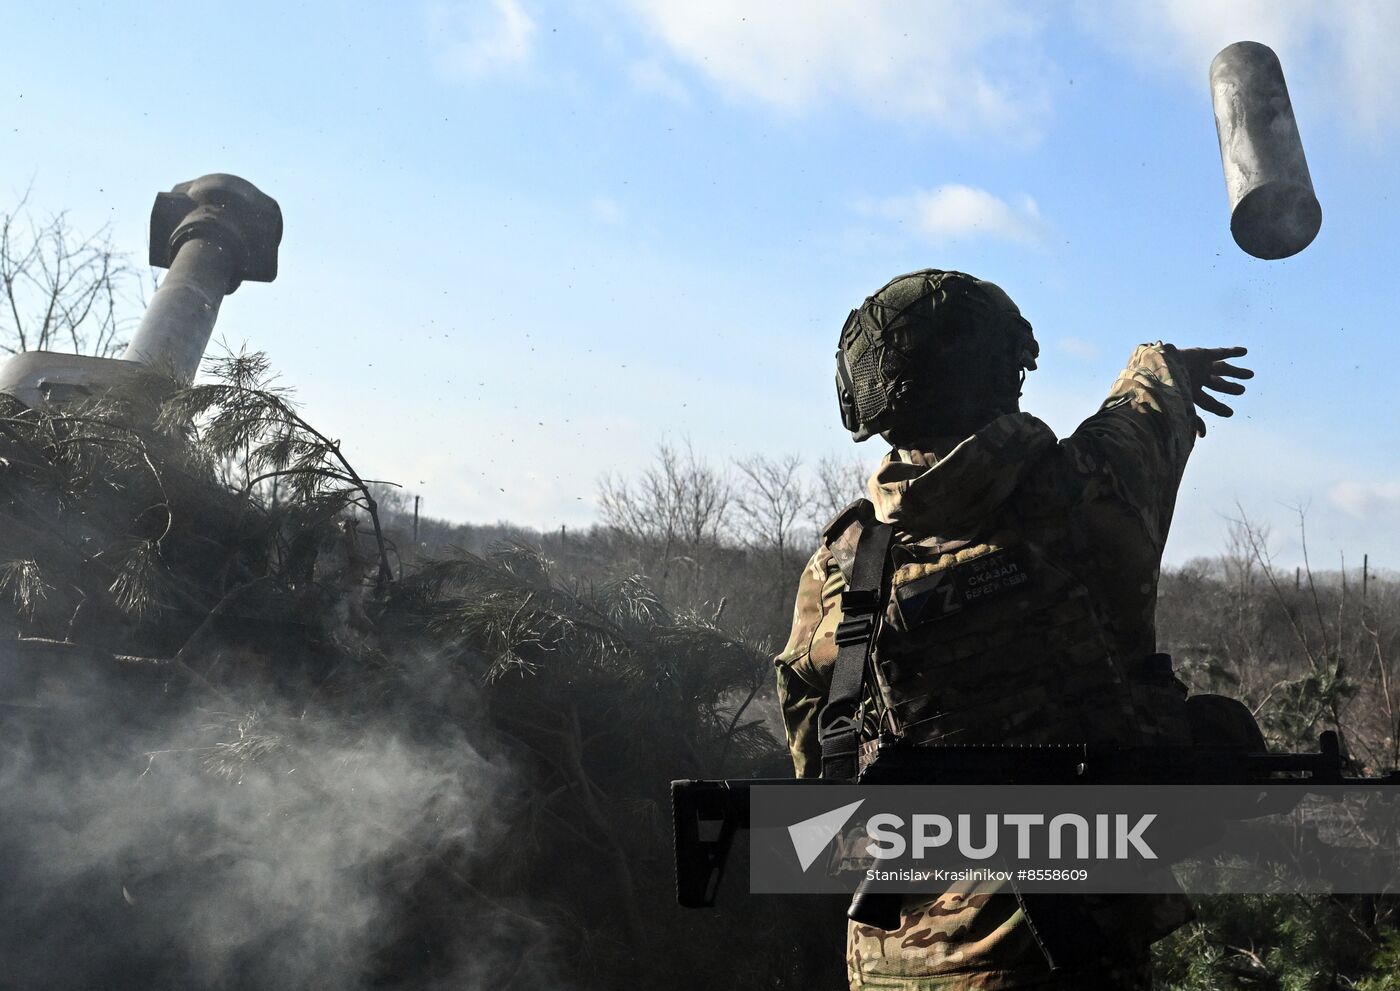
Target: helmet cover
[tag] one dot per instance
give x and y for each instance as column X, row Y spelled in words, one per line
column 932, row 352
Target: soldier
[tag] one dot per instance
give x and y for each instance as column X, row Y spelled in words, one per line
column 1020, row 598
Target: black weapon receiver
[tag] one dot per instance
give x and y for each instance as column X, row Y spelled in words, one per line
column 708, row 813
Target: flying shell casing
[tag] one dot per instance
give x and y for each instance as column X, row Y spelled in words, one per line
column 1274, row 212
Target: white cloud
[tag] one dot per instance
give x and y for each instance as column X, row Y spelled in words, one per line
column 982, row 67
column 475, row 38
column 1367, row 35
column 650, row 76
column 955, row 212
column 1366, row 500
column 1188, row 33
column 1348, row 47
column 606, row 209
column 942, row 61
column 1078, row 347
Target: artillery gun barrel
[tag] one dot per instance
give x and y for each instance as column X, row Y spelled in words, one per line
column 212, row 233
column 180, row 319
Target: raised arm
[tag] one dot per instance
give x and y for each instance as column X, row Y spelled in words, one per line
column 1142, row 435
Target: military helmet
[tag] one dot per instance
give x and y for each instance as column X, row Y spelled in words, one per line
column 932, row 353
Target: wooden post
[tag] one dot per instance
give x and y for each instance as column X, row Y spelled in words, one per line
column 1297, row 578
column 1365, row 574
column 416, row 500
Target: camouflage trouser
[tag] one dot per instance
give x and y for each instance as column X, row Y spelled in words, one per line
column 1123, row 976
column 975, row 937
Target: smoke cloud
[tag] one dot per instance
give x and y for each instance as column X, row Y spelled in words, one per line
column 151, row 839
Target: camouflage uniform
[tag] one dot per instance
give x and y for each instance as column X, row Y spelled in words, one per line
column 1101, row 501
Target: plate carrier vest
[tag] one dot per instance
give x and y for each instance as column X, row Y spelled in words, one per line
column 982, row 639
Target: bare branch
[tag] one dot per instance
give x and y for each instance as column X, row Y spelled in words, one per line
column 772, row 502
column 60, row 288
column 840, row 481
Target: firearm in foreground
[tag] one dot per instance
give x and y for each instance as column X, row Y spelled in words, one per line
column 708, row 813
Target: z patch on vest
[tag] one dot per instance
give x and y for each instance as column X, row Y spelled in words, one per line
column 943, row 593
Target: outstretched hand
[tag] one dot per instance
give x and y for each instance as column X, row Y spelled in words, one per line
column 1208, row 369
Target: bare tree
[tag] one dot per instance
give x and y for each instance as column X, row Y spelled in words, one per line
column 1327, row 685
column 59, row 289
column 1243, row 541
column 773, row 502
column 679, row 505
column 840, row 481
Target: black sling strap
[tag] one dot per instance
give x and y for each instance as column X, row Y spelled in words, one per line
column 838, row 725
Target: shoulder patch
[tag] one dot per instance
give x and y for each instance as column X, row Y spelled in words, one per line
column 861, row 511
column 843, row 533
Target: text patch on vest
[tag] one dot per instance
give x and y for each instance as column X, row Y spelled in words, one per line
column 936, row 596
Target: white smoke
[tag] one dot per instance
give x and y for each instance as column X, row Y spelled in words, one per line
column 239, row 843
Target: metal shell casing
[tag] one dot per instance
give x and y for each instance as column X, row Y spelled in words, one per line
column 1274, row 212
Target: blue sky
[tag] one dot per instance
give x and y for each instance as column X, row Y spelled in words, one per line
column 526, row 239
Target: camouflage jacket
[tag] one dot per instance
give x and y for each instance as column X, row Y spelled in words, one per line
column 1101, row 500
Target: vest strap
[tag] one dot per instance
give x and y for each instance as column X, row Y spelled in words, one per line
column 838, row 728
